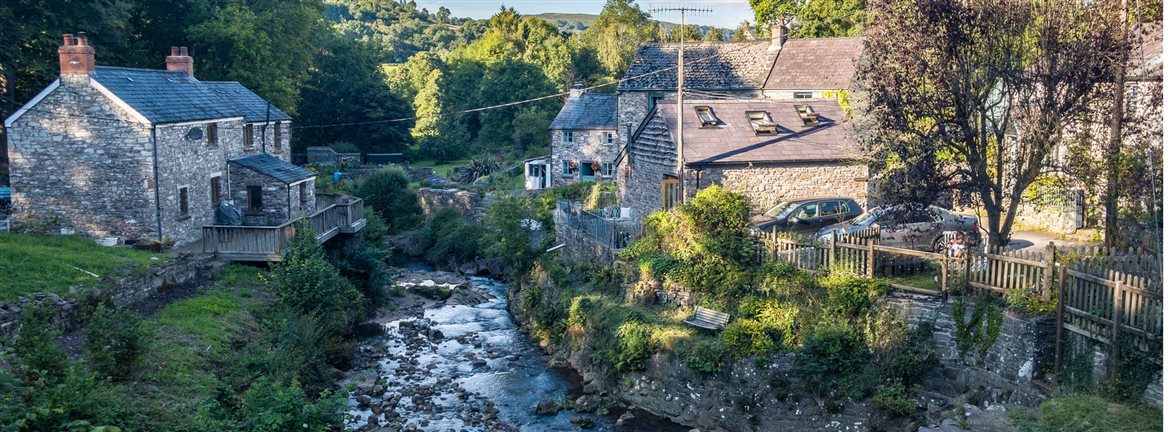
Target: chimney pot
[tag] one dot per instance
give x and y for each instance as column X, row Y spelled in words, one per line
column 75, row 56
column 180, row 61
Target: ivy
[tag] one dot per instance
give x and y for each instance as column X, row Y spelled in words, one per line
column 981, row 330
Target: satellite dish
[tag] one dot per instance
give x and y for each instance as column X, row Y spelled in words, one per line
column 195, row 134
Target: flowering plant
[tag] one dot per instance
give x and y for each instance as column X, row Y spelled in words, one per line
column 572, row 165
column 596, row 166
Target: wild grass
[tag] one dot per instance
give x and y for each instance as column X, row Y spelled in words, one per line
column 39, row 263
column 1082, row 413
column 444, row 169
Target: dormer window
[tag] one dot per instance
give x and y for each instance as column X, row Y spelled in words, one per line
column 706, row 116
column 808, row 115
column 762, row 122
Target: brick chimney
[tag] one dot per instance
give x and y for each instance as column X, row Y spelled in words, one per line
column 76, row 55
column 779, row 37
column 576, row 90
column 180, row 61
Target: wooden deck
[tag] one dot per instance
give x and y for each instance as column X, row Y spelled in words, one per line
column 343, row 215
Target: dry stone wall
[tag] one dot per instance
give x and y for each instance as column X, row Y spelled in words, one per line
column 767, row 185
column 469, row 204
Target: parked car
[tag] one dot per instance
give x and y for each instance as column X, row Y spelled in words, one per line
column 911, row 228
column 807, row 215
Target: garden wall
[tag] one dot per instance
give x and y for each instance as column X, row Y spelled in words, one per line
column 469, row 204
column 126, row 291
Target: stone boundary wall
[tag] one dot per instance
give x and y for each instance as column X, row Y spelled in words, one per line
column 467, row 203
column 124, row 292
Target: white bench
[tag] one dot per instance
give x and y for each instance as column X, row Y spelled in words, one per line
column 708, row 319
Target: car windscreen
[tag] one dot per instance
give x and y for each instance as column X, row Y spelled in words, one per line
column 865, row 218
column 780, row 209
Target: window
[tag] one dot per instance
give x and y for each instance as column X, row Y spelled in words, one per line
column 762, row 122
column 568, row 168
column 706, row 116
column 212, row 135
column 216, row 196
column 669, row 192
column 807, row 211
column 248, row 137
column 184, row 207
column 589, row 170
column 802, row 95
column 609, row 137
column 830, row 208
column 606, row 169
column 567, row 136
column 255, row 199
column 808, row 115
column 276, row 142
column 304, row 193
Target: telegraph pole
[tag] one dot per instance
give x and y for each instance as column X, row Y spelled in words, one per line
column 680, row 165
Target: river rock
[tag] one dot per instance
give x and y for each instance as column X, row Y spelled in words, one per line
column 582, row 422
column 478, row 362
column 625, row 418
column 547, row 407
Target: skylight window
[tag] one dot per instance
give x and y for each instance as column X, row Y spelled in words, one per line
column 762, row 122
column 706, row 116
column 808, row 115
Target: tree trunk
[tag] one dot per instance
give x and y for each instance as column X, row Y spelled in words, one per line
column 1112, row 223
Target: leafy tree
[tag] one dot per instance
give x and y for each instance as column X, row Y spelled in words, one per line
column 742, row 32
column 306, row 283
column 346, row 87
column 690, row 33
column 813, row 18
column 509, row 240
column 618, row 32
column 713, row 35
column 270, row 406
column 388, row 193
column 974, row 96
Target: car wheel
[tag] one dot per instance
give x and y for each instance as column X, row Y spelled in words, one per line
column 940, row 245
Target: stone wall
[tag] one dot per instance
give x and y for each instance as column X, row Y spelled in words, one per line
column 467, row 203
column 72, row 168
column 588, row 146
column 768, row 185
column 277, row 201
column 124, row 291
column 191, row 164
column 1018, row 359
column 581, row 247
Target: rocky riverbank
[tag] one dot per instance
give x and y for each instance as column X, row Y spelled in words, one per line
column 451, row 358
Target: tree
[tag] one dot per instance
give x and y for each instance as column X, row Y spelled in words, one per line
column 973, row 96
column 618, row 32
column 307, row 284
column 690, row 33
column 388, row 193
column 813, row 18
column 713, row 35
column 346, row 87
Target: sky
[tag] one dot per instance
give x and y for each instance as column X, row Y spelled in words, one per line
column 725, row 13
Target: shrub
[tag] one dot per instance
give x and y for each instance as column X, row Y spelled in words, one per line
column 388, row 193
column 703, row 354
column 1023, row 300
column 115, row 341
column 307, row 283
column 833, row 349
column 508, row 239
column 635, row 346
column 780, row 320
column 746, row 338
column 450, row 237
column 36, row 356
column 657, row 265
column 363, row 262
column 892, row 398
column 271, row 406
column 850, row 296
column 79, row 402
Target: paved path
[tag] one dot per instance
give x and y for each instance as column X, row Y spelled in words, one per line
column 1037, row 240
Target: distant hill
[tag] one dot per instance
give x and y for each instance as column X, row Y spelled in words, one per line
column 578, row 22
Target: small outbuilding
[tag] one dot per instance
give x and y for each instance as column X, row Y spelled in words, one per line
column 270, row 191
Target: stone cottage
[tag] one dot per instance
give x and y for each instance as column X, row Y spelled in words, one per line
column 767, row 149
column 584, row 138
column 136, row 153
column 270, row 191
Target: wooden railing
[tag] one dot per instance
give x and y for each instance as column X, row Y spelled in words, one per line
column 342, row 215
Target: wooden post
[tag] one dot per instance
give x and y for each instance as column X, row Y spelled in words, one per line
column 1115, row 356
column 1049, row 271
column 832, row 250
column 946, row 264
column 1060, row 320
column 870, row 259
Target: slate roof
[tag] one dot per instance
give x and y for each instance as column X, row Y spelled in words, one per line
column 734, row 141
column 1148, row 52
column 815, row 64
column 268, row 165
column 253, row 107
column 589, row 111
column 726, row 66
column 170, row 97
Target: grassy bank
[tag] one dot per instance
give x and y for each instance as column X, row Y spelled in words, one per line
column 39, row 263
column 1083, row 413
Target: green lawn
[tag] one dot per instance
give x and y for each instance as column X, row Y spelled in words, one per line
column 37, row 263
column 443, row 169
column 1079, row 413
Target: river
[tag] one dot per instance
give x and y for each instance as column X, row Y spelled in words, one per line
column 465, row 366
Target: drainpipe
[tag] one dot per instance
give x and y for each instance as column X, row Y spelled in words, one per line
column 157, row 186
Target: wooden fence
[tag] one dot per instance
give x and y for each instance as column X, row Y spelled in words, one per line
column 1101, row 294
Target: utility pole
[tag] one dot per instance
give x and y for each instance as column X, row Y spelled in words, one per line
column 680, row 165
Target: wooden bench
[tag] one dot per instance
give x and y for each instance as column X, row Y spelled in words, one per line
column 708, row 319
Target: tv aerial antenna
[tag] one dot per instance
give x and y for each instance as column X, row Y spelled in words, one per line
column 680, row 165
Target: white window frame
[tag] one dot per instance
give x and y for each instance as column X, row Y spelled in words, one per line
column 610, row 138
column 606, row 170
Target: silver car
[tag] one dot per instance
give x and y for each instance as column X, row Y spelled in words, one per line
column 911, row 228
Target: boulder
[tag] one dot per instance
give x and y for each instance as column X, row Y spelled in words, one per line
column 547, row 407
